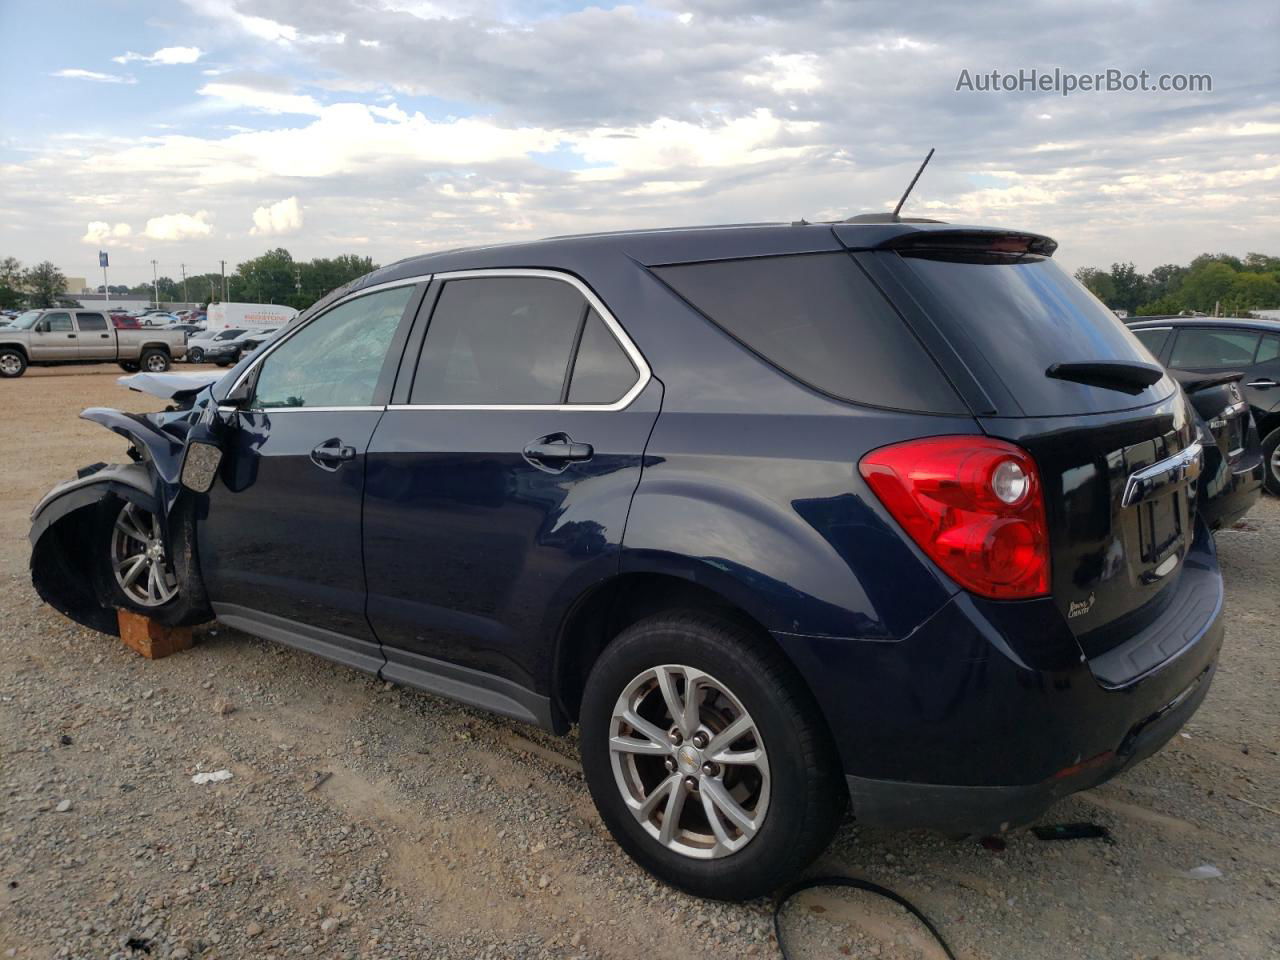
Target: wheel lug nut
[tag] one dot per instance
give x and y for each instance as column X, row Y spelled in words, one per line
column 700, row 740
column 674, row 737
column 670, row 763
column 710, row 769
column 690, row 784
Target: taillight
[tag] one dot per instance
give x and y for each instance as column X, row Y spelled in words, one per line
column 975, row 505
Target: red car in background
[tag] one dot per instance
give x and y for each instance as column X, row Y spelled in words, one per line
column 124, row 321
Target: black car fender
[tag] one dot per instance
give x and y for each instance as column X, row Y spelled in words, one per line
column 62, row 525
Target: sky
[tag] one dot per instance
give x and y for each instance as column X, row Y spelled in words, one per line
column 194, row 131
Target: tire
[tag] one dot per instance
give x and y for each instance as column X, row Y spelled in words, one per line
column 195, row 355
column 154, row 361
column 184, row 601
column 13, row 363
column 1271, row 462
column 793, row 801
column 129, row 366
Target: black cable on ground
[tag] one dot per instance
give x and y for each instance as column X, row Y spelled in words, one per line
column 856, row 883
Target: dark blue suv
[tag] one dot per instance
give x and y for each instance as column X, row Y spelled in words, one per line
column 779, row 516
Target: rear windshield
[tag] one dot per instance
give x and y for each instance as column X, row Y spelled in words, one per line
column 818, row 318
column 1018, row 318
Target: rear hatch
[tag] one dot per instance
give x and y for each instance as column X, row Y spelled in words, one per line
column 1048, row 367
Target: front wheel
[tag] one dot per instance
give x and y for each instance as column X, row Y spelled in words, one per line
column 1271, row 458
column 707, row 757
column 195, row 355
column 13, row 363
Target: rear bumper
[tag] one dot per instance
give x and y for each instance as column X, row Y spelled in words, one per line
column 988, row 712
column 983, row 810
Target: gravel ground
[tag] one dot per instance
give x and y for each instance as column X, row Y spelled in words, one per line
column 366, row 820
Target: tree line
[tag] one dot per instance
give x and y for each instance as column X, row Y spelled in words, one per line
column 274, row 277
column 1233, row 286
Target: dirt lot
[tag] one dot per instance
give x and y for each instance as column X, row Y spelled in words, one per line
column 439, row 831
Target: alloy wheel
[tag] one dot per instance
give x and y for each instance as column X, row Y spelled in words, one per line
column 689, row 761
column 138, row 559
column 156, row 363
column 1275, row 464
column 10, row 364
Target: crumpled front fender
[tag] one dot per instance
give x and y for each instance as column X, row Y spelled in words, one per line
column 162, row 449
column 62, row 527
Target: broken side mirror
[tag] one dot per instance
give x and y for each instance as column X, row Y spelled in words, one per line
column 200, row 459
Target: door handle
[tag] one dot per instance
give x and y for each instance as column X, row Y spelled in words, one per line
column 1261, row 384
column 332, row 454
column 71, row 336
column 556, row 451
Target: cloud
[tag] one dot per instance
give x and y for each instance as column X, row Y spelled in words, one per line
column 278, row 218
column 233, row 95
column 165, row 56
column 178, row 226
column 73, row 73
column 99, row 232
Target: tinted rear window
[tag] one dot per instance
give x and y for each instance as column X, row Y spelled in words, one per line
column 821, row 320
column 1019, row 317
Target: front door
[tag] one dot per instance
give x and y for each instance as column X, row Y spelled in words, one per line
column 280, row 548
column 498, row 486
column 54, row 339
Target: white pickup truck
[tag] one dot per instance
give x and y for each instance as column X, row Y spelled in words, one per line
column 47, row 337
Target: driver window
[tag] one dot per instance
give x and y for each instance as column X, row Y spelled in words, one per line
column 335, row 360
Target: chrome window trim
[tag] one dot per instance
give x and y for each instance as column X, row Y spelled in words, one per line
column 285, row 337
column 272, row 411
column 643, row 373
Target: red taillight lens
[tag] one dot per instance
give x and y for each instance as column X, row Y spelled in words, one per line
column 975, row 505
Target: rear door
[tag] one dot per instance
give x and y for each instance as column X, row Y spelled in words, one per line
column 1120, row 462
column 499, row 479
column 280, row 548
column 97, row 342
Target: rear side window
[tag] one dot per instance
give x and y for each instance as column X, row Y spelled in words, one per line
column 602, row 371
column 1205, row 347
column 1017, row 317
column 1269, row 349
column 818, row 318
column 91, row 321
column 59, row 322
column 1153, row 340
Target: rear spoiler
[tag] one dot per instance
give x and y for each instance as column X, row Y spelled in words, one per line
column 978, row 242
column 1191, row 381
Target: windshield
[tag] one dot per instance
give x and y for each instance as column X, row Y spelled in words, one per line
column 25, row 321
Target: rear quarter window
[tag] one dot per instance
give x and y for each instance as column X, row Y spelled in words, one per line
column 818, row 318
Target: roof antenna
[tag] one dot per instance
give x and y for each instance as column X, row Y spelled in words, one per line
column 911, row 185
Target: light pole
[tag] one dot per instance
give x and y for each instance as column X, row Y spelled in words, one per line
column 155, row 285
column 185, row 298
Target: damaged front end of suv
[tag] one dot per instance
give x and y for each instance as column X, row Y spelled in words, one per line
column 121, row 535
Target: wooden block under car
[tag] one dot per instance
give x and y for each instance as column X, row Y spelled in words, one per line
column 153, row 640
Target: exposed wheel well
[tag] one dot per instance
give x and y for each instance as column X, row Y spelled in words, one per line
column 612, row 607
column 162, row 347
column 14, row 346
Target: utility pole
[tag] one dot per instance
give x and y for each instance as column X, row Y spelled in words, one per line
column 185, row 298
column 155, row 284
column 224, row 280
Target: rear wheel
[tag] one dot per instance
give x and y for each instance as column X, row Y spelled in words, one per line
column 13, row 363
column 154, row 361
column 1271, row 457
column 707, row 758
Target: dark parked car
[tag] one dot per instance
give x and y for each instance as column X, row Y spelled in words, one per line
column 1231, row 480
column 1208, row 345
column 779, row 515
